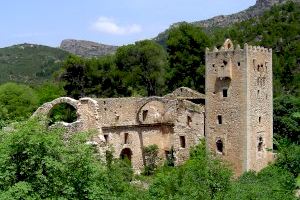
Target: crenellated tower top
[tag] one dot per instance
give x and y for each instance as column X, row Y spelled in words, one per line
column 228, row 46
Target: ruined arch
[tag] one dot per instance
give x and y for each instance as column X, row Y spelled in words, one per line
column 62, row 112
column 151, row 112
column 45, row 110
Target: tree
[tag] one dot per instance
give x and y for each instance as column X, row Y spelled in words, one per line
column 271, row 183
column 201, row 177
column 36, row 163
column 287, row 118
column 186, row 45
column 17, row 101
column 73, row 75
column 143, row 65
column 49, row 91
column 96, row 77
column 151, row 159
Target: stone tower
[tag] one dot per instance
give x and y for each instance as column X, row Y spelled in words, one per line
column 238, row 105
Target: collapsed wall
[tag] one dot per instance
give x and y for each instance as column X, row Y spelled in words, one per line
column 125, row 126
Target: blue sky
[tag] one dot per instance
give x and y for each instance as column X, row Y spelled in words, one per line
column 114, row 22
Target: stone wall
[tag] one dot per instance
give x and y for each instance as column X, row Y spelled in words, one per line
column 260, row 107
column 232, row 109
column 127, row 125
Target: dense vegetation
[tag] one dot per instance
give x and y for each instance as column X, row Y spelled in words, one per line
column 28, row 63
column 36, row 163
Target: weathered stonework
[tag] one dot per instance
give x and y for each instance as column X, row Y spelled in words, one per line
column 234, row 116
column 238, row 105
column 125, row 125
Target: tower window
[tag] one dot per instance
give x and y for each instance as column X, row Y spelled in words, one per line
column 219, row 119
column 259, row 119
column 260, row 144
column 189, row 120
column 239, row 64
column 258, row 93
column 225, row 92
column 182, row 142
column 126, row 138
column 219, row 145
column 145, row 113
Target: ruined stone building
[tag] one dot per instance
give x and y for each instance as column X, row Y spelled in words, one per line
column 234, row 115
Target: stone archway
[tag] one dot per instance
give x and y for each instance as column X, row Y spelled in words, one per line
column 126, row 153
column 62, row 112
column 46, row 108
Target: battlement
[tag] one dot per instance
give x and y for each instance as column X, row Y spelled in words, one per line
column 228, row 46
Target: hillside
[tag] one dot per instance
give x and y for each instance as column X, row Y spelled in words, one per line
column 222, row 21
column 29, row 63
column 87, row 48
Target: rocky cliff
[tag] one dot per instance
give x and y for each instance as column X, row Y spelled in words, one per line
column 254, row 11
column 226, row 20
column 87, row 48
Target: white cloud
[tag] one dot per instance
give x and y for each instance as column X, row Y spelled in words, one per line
column 108, row 25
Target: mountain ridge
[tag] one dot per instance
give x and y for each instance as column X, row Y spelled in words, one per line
column 87, row 48
column 222, row 21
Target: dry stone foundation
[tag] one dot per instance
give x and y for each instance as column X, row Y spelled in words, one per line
column 234, row 116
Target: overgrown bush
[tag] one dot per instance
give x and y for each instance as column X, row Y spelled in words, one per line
column 201, row 177
column 151, row 159
column 36, row 163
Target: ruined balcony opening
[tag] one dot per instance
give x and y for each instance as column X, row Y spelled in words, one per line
column 225, row 70
column 145, row 113
column 260, row 144
column 189, row 121
column 62, row 112
column 126, row 154
column 220, row 119
column 126, row 135
column 220, row 146
column 182, row 142
column 225, row 92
